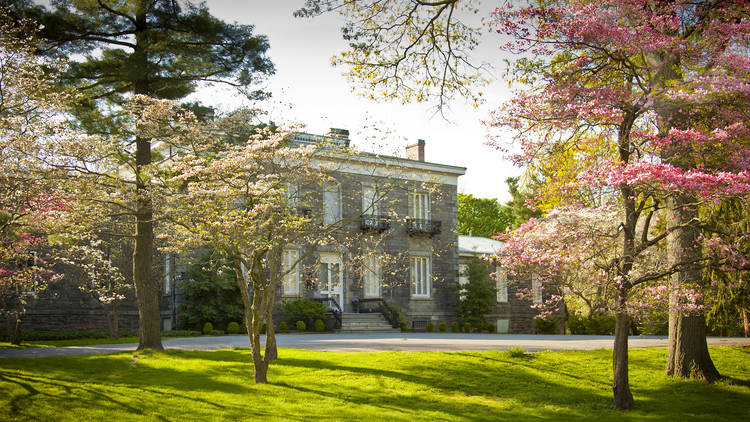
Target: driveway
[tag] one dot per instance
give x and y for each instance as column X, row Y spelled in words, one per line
column 411, row 342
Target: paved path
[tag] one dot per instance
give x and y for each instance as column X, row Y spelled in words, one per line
column 413, row 342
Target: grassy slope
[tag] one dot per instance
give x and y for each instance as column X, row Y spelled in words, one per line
column 182, row 385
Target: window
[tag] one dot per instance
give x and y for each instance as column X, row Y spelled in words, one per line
column 536, row 289
column 370, row 202
column 501, row 283
column 331, row 204
column 420, row 276
column 291, row 194
column 419, row 208
column 371, row 275
column 291, row 278
column 168, row 273
column 463, row 279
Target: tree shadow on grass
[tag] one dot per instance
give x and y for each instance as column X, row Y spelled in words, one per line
column 26, row 401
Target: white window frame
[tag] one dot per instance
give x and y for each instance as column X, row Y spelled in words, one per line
column 371, row 203
column 168, row 274
column 501, row 284
column 290, row 282
column 463, row 279
column 371, row 275
column 419, row 212
column 335, row 217
column 536, row 289
column 291, row 194
column 421, row 273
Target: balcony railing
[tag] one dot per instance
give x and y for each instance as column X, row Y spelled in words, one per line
column 378, row 223
column 421, row 226
column 303, row 212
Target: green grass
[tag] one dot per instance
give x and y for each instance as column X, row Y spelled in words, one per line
column 63, row 343
column 306, row 385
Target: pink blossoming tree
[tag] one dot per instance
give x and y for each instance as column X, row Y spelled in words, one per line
column 640, row 95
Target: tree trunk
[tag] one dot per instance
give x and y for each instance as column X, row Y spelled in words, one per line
column 146, row 287
column 746, row 321
column 253, row 321
column 621, row 385
column 112, row 321
column 14, row 328
column 688, row 351
column 271, row 351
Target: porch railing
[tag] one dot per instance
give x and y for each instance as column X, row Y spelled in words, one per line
column 333, row 308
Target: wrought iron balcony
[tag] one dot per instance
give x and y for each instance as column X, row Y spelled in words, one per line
column 378, row 223
column 303, row 212
column 421, row 226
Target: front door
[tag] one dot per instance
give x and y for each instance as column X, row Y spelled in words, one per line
column 331, row 278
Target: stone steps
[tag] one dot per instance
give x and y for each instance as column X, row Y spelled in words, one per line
column 365, row 323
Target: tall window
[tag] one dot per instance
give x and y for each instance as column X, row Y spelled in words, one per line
column 463, row 278
column 420, row 276
column 291, row 195
column 331, row 204
column 420, row 206
column 371, row 275
column 168, row 273
column 501, row 284
column 536, row 289
column 291, row 279
column 370, row 202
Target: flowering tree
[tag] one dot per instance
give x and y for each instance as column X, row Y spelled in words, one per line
column 600, row 90
column 28, row 197
column 100, row 278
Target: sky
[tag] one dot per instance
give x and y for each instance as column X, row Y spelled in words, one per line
column 307, row 89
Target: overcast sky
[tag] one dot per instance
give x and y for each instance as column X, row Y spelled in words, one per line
column 307, row 89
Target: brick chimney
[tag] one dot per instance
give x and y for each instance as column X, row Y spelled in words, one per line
column 416, row 151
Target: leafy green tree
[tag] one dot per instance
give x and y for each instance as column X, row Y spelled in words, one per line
column 481, row 217
column 158, row 48
column 517, row 207
column 476, row 296
column 210, row 294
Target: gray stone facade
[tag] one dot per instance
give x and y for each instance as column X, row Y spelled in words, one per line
column 396, row 245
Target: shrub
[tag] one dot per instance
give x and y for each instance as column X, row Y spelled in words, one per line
column 283, row 327
column 546, row 325
column 442, row 327
column 597, row 324
column 403, row 326
column 305, row 310
column 478, row 295
column 301, row 326
column 467, row 327
column 491, row 328
column 454, row 327
column 217, row 332
column 210, row 293
column 233, row 328
column 181, row 333
column 430, row 327
column 320, row 325
column 602, row 325
column 208, row 328
column 263, row 329
column 577, row 324
column 516, row 353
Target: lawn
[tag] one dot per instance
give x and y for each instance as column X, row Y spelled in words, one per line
column 72, row 342
column 306, row 385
